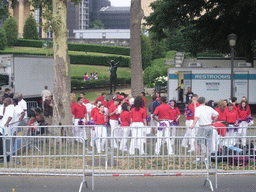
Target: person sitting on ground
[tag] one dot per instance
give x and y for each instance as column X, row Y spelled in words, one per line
column 96, row 75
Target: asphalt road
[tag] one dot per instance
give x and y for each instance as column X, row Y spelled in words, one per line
column 231, row 183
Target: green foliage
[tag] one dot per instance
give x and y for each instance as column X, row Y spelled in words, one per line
column 29, row 43
column 30, row 30
column 158, row 48
column 3, row 10
column 11, row 29
column 210, row 29
column 96, row 25
column 79, row 83
column 99, row 48
column 3, row 40
column 146, row 50
column 97, row 59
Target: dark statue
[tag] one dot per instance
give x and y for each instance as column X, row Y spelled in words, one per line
column 113, row 76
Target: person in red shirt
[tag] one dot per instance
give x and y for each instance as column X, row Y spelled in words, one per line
column 174, row 116
column 234, row 101
column 95, row 109
column 100, row 118
column 142, row 94
column 79, row 113
column 85, row 101
column 221, row 110
column 101, row 98
column 232, row 119
column 125, row 122
column 243, row 113
column 163, row 111
column 138, row 120
column 221, row 128
column 113, row 113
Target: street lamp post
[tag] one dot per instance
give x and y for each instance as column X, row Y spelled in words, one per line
column 232, row 42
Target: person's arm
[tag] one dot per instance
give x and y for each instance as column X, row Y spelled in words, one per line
column 8, row 121
column 215, row 119
column 194, row 122
column 154, row 117
column 178, row 114
column 22, row 116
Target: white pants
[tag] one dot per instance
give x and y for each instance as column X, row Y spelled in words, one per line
column 79, row 131
column 242, row 131
column 166, row 133
column 115, row 132
column 173, row 130
column 100, row 131
column 125, row 133
column 137, row 141
column 230, row 133
column 190, row 135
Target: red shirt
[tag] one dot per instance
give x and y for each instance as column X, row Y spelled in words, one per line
column 72, row 105
column 222, row 114
column 86, row 101
column 99, row 118
column 232, row 116
column 105, row 103
column 163, row 111
column 145, row 101
column 100, row 98
column 138, row 116
column 220, row 131
column 110, row 103
column 174, row 113
column 125, row 119
column 79, row 111
column 112, row 108
column 242, row 114
column 94, row 111
column 192, row 109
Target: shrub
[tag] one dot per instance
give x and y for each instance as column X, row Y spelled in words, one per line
column 97, row 60
column 11, row 29
column 99, row 49
column 29, row 43
column 30, row 30
column 79, row 83
column 3, row 40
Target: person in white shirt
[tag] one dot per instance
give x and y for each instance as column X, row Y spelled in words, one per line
column 44, row 93
column 23, row 104
column 203, row 115
column 7, row 116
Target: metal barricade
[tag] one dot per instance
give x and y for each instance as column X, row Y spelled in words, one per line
column 234, row 153
column 142, row 155
column 45, row 155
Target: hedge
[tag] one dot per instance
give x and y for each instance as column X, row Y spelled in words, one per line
column 99, row 83
column 78, row 47
column 99, row 48
column 98, row 60
column 29, row 43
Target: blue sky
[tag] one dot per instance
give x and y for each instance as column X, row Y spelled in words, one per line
column 120, row 3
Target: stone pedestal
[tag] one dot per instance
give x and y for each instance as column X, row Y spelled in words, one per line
column 109, row 97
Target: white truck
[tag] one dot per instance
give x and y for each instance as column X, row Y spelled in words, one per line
column 26, row 74
column 213, row 83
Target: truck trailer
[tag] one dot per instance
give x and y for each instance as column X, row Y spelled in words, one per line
column 213, row 83
column 26, row 75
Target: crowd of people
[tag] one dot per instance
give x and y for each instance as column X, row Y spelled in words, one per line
column 232, row 119
column 94, row 75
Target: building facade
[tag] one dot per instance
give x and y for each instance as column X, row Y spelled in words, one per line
column 115, row 17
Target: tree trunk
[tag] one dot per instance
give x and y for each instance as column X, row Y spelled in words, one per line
column 62, row 84
column 137, row 14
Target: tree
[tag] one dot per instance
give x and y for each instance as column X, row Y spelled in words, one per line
column 3, row 40
column 146, row 50
column 137, row 13
column 11, row 31
column 96, row 25
column 30, row 30
column 213, row 20
column 55, row 13
column 3, row 10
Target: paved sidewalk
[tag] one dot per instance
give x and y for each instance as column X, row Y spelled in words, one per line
column 113, row 184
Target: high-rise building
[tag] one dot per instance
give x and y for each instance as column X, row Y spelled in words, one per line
column 83, row 15
column 115, row 17
column 94, row 8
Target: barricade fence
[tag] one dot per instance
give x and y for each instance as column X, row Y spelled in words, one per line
column 97, row 150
